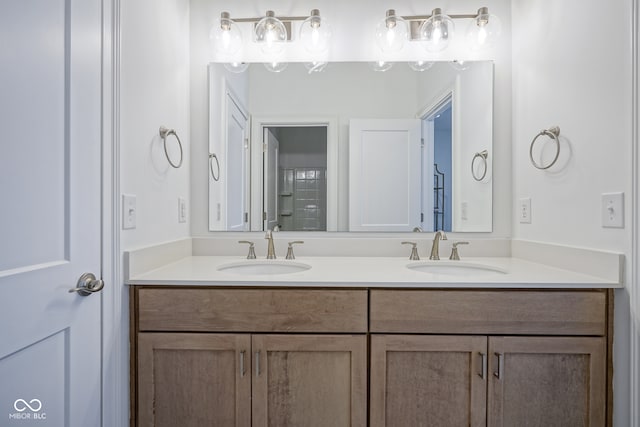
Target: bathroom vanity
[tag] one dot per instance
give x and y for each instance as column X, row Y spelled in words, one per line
column 370, row 341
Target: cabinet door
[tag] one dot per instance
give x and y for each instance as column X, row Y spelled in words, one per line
column 305, row 381
column 194, row 380
column 547, row 381
column 422, row 380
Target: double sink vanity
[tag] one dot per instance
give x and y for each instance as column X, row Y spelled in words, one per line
column 521, row 337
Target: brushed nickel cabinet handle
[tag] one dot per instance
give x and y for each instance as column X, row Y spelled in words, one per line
column 500, row 373
column 483, row 374
column 242, row 371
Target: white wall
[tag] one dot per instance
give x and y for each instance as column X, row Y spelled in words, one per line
column 572, row 68
column 154, row 91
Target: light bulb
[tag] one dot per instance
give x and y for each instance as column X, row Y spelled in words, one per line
column 236, row 67
column 271, row 33
column 381, row 66
column 437, row 31
column 483, row 31
column 315, row 33
column 275, row 67
column 225, row 36
column 391, row 32
column 420, row 65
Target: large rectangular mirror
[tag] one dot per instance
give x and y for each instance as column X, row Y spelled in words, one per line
column 351, row 149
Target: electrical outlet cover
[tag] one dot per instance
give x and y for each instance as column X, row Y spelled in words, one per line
column 524, row 210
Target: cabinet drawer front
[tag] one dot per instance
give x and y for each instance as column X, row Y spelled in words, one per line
column 252, row 310
column 489, row 312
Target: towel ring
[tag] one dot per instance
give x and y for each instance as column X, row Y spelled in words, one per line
column 213, row 157
column 553, row 133
column 164, row 134
column 481, row 155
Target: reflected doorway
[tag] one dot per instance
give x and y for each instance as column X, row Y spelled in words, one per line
column 438, row 166
column 295, row 177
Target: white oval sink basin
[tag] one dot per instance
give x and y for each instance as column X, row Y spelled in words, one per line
column 264, row 267
column 455, row 268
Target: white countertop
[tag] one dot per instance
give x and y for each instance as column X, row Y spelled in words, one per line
column 372, row 272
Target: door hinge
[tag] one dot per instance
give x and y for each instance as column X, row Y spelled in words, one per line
column 421, row 216
column 264, row 147
column 422, row 142
column 246, row 217
column 264, row 216
column 246, row 143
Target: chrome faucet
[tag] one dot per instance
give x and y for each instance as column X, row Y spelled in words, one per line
column 435, row 253
column 271, row 250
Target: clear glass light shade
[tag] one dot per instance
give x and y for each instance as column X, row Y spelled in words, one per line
column 315, row 67
column 275, row 67
column 225, row 37
column 420, row 65
column 391, row 33
column 436, row 32
column 236, row 67
column 460, row 65
column 483, row 31
column 381, row 66
column 315, row 34
column 271, row 33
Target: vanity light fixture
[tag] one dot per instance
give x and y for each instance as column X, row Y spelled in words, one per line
column 435, row 31
column 420, row 65
column 315, row 33
column 271, row 34
column 236, row 67
column 225, row 36
column 381, row 66
column 315, row 66
column 460, row 65
column 483, row 31
column 391, row 32
column 275, row 67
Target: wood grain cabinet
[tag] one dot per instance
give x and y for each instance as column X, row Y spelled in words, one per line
column 282, row 357
column 553, row 373
column 218, row 366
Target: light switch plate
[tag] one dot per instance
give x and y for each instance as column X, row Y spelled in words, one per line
column 182, row 210
column 129, row 211
column 524, row 210
column 613, row 210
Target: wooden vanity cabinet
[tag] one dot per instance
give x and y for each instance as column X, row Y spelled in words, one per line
column 519, row 358
column 249, row 357
column 299, row 357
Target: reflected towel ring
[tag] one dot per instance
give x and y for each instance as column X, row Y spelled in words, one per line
column 213, row 157
column 553, row 133
column 481, row 155
column 164, row 134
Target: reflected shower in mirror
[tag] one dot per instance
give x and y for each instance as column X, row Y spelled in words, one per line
column 351, row 149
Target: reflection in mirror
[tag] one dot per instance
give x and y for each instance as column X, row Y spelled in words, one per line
column 350, row 149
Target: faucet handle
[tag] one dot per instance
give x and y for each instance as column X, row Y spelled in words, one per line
column 252, row 252
column 454, row 250
column 414, row 251
column 290, row 254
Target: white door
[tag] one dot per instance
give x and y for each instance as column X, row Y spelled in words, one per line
column 384, row 174
column 50, row 192
column 270, row 202
column 237, row 168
